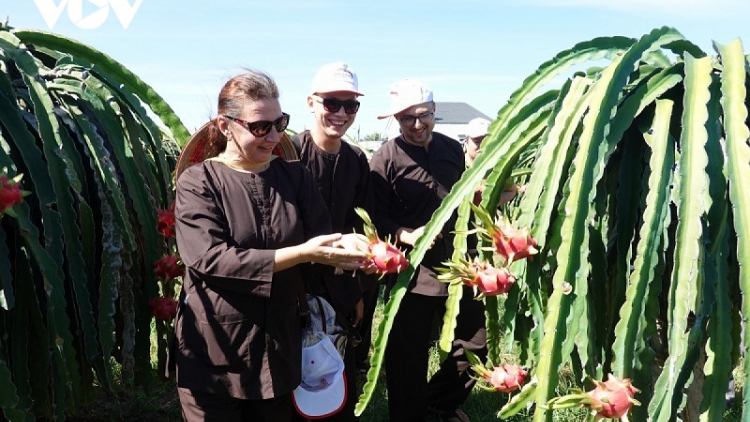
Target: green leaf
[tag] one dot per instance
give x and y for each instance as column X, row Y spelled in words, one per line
column 733, row 99
column 650, row 233
column 519, row 402
column 109, row 66
column 576, row 210
column 8, row 397
column 455, row 290
column 7, row 301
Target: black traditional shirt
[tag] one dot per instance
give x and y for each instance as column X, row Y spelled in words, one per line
column 409, row 183
column 238, row 328
column 343, row 180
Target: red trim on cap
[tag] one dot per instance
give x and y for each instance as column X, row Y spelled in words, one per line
column 343, row 402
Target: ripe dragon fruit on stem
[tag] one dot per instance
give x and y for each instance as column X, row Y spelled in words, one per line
column 166, row 222
column 163, row 308
column 612, row 399
column 10, row 193
column 168, row 267
column 386, row 257
column 511, row 243
column 505, row 378
column 483, row 276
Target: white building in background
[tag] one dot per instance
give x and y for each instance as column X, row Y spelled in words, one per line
column 451, row 119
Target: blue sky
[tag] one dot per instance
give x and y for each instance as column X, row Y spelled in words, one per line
column 475, row 51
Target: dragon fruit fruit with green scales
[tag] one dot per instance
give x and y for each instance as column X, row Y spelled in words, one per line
column 11, row 193
column 383, row 255
column 611, row 399
column 511, row 243
column 485, row 278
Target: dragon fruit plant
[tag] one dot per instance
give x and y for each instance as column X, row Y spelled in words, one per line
column 505, row 378
column 637, row 199
column 510, row 243
column 385, row 256
column 169, row 267
column 485, row 278
column 11, row 193
column 611, row 399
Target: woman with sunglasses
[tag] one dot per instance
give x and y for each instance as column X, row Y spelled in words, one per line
column 246, row 224
column 342, row 176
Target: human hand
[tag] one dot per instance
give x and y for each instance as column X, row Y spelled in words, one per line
column 410, row 237
column 508, row 194
column 327, row 249
column 352, row 242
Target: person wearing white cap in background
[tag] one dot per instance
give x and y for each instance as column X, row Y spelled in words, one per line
column 342, row 175
column 476, row 130
column 411, row 174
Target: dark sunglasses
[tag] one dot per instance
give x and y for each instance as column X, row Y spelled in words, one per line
column 333, row 105
column 263, row 127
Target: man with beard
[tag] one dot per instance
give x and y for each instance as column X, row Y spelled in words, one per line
column 411, row 174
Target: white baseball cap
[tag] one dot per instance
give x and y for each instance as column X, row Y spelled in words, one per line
column 322, row 392
column 406, row 93
column 335, row 77
column 477, row 127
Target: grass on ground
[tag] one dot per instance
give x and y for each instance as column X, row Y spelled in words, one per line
column 160, row 403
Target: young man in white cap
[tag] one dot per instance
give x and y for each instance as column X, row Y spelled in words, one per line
column 341, row 173
column 411, row 174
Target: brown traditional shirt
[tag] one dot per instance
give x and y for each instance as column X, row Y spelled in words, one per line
column 343, row 180
column 238, row 328
column 409, row 183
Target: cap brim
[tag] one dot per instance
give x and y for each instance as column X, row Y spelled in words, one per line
column 197, row 149
column 395, row 112
column 322, row 403
column 331, row 91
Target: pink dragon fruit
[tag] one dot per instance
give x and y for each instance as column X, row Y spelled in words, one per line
column 163, row 308
column 386, row 257
column 482, row 275
column 169, row 267
column 510, row 243
column 166, row 222
column 507, row 378
column 613, row 398
column 490, row 280
column 10, row 193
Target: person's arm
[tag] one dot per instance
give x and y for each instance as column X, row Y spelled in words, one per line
column 204, row 241
column 206, row 247
column 323, row 249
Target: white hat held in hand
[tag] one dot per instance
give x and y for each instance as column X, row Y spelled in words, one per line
column 406, row 93
column 322, row 392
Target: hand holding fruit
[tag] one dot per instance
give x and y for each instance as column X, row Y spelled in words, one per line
column 326, row 250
